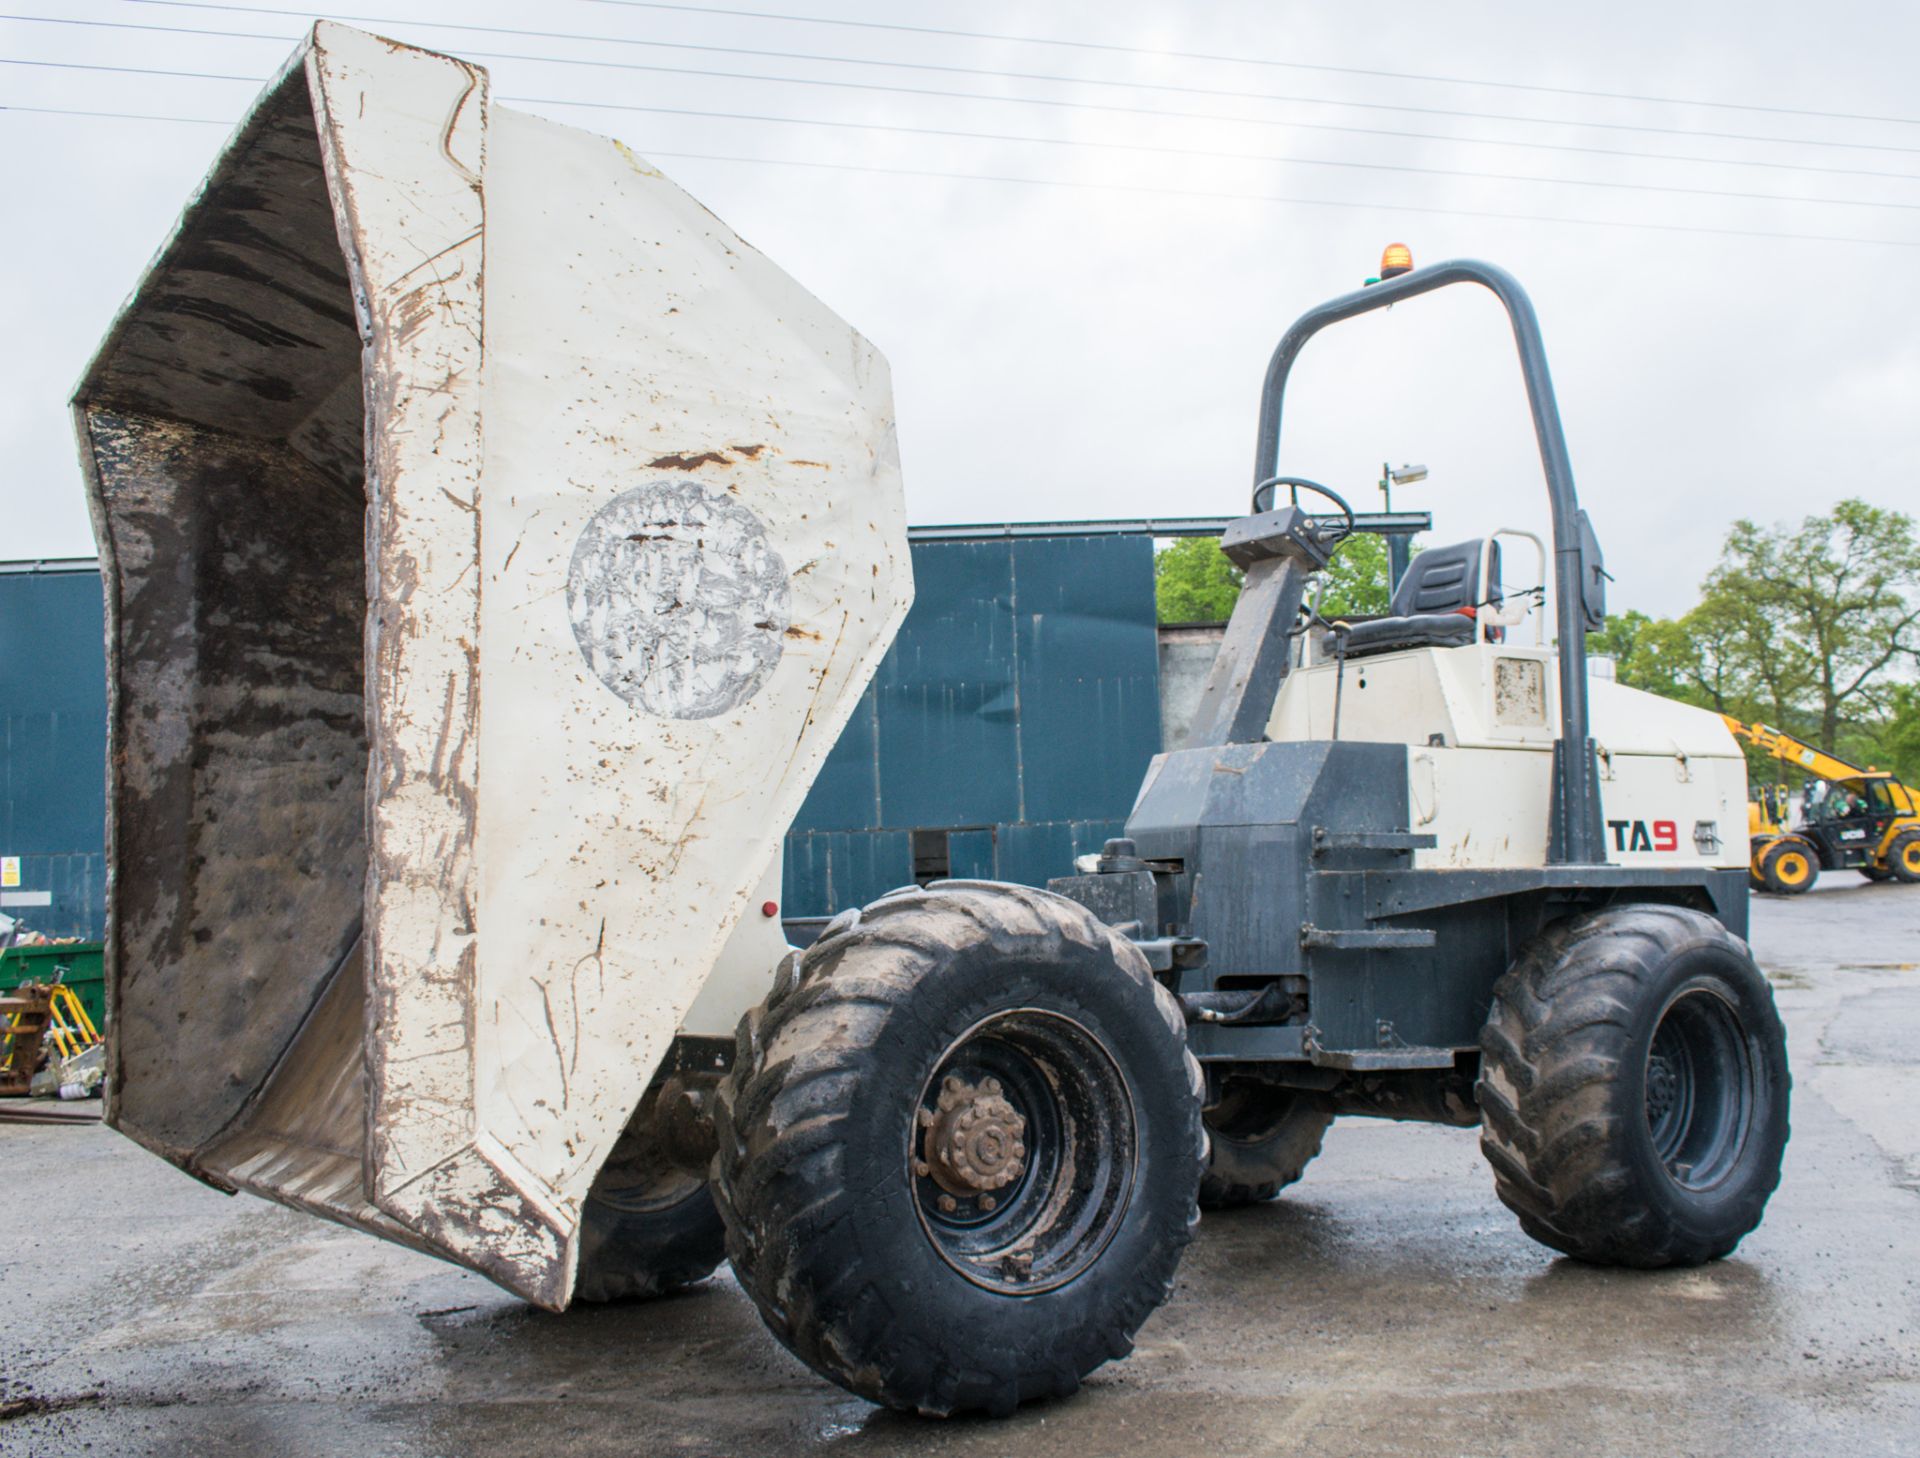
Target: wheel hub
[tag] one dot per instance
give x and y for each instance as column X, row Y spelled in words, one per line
column 974, row 1142
column 1661, row 1084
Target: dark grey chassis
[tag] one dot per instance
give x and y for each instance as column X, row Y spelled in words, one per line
column 1271, row 885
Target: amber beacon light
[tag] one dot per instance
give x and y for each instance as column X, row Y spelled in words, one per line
column 1397, row 259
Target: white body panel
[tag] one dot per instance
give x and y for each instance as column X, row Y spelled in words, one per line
column 1480, row 720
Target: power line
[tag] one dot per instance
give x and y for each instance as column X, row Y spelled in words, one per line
column 201, row 121
column 131, row 70
column 1128, row 188
column 1289, row 124
column 1463, row 174
column 1150, row 51
column 1038, row 76
column 1201, row 152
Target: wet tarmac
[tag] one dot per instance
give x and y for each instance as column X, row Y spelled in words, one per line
column 1389, row 1304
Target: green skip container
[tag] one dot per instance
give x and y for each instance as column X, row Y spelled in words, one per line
column 78, row 964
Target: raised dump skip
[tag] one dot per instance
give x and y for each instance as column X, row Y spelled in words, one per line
column 494, row 545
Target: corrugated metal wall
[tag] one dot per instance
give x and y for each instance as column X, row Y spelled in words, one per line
column 53, row 700
column 1009, row 726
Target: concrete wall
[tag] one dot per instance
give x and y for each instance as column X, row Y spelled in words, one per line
column 1186, row 653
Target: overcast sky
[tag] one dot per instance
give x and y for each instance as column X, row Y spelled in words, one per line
column 1093, row 347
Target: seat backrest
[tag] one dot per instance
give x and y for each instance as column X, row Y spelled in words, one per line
column 1446, row 579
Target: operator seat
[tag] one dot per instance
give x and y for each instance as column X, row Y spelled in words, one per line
column 1435, row 603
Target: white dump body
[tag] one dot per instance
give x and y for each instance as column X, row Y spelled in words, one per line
column 495, row 545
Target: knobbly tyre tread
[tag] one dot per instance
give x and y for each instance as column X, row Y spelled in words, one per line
column 624, row 1256
column 1564, row 1126
column 1241, row 1173
column 627, row 1253
column 1770, row 879
column 783, row 1189
column 1896, row 864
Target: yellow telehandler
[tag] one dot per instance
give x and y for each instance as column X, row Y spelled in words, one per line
column 1861, row 819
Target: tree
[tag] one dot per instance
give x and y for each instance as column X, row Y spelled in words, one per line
column 1356, row 580
column 1811, row 629
column 1813, row 618
column 1627, row 638
column 1896, row 744
column 1194, row 583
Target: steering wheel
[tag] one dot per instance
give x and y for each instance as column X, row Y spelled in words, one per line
column 1296, row 484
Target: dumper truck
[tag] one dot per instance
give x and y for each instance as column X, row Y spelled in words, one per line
column 494, row 545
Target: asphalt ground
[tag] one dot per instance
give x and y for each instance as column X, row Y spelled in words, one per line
column 1388, row 1304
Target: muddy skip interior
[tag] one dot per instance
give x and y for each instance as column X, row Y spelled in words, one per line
column 223, row 425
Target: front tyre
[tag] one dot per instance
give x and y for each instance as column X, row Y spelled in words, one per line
column 1634, row 1088
column 959, row 1149
column 1789, row 866
column 1903, row 857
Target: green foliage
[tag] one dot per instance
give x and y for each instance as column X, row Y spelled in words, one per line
column 1642, row 649
column 1814, row 629
column 1815, row 616
column 1895, row 742
column 1357, row 579
column 1194, row 583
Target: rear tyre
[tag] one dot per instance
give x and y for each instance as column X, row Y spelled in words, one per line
column 1634, row 1088
column 1903, row 857
column 646, row 1227
column 959, row 1149
column 1789, row 866
column 1260, row 1140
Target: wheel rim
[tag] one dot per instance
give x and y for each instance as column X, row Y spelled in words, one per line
column 1700, row 1089
column 1023, row 1151
column 1790, row 866
column 1910, row 857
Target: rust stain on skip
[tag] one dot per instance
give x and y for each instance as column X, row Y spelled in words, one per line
column 690, row 462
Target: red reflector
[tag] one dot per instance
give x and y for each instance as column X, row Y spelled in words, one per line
column 770, row 908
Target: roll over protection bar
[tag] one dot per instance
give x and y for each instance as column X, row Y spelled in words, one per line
column 1576, row 836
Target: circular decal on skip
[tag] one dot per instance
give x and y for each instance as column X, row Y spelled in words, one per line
column 678, row 599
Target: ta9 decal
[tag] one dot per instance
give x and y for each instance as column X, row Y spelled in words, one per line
column 1638, row 835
